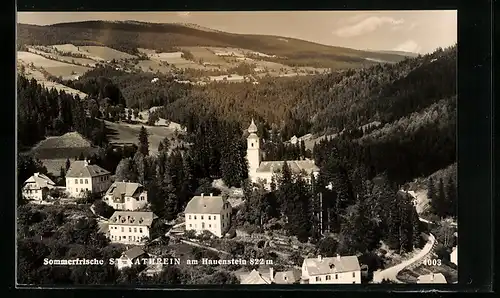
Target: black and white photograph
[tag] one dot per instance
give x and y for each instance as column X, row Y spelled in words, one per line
column 236, row 147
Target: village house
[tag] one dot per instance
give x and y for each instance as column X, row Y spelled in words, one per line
column 433, row 278
column 130, row 256
column 208, row 213
column 334, row 270
column 82, row 177
column 454, row 255
column 130, row 227
column 126, row 196
column 270, row 277
column 263, row 171
column 37, row 187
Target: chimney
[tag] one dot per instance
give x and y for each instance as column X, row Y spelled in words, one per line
column 338, row 257
column 271, row 273
column 320, row 258
column 36, row 174
column 86, row 162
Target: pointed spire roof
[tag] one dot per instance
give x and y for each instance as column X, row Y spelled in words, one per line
column 252, row 128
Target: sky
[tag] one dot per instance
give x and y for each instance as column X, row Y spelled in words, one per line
column 409, row 31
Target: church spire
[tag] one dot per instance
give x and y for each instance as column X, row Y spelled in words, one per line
column 252, row 128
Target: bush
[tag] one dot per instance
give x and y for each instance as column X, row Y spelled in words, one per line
column 103, row 209
column 190, row 234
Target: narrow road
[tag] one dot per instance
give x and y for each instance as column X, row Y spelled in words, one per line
column 391, row 272
column 203, row 246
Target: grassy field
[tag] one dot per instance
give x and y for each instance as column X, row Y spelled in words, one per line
column 153, row 66
column 106, row 53
column 53, row 67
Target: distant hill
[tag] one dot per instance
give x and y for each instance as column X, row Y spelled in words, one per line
column 406, row 54
column 129, row 35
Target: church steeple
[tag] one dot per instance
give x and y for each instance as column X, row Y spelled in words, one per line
column 252, row 128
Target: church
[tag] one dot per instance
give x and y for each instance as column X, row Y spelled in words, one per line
column 263, row 171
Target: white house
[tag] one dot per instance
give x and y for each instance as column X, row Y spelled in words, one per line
column 130, row 227
column 37, row 187
column 130, row 256
column 334, row 270
column 433, row 278
column 263, row 171
column 208, row 213
column 454, row 255
column 270, row 277
column 126, row 196
column 82, row 176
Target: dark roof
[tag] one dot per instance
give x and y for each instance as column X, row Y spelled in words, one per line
column 81, row 168
column 132, row 218
column 134, row 252
column 206, row 205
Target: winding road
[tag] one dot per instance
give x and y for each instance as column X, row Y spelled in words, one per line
column 391, row 272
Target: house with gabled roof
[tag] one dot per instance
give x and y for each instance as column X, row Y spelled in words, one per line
column 83, row 176
column 130, row 227
column 334, row 270
column 126, row 196
column 208, row 213
column 37, row 186
column 256, row 277
column 129, row 257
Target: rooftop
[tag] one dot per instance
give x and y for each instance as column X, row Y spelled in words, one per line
column 130, row 189
column 133, row 253
column 282, row 277
column 82, row 168
column 206, row 205
column 338, row 264
column 41, row 180
column 132, row 218
column 433, row 278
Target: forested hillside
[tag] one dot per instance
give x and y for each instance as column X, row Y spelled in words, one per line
column 128, row 36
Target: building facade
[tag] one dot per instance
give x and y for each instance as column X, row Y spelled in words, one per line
column 82, row 177
column 208, row 213
column 263, row 171
column 126, row 196
column 130, row 227
column 37, row 187
column 334, row 270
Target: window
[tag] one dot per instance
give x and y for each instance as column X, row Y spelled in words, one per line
column 215, row 217
column 128, row 199
column 222, row 216
column 122, row 229
column 81, row 181
column 140, row 230
column 202, row 217
column 76, row 189
column 222, row 224
column 135, row 230
column 354, row 274
column 328, row 277
column 130, row 230
column 336, row 276
column 209, row 225
column 130, row 238
column 318, row 278
column 189, row 216
column 86, row 181
column 209, row 217
column 190, row 225
column 76, row 181
column 195, row 217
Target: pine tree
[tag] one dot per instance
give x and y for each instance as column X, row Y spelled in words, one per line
column 68, row 164
column 285, row 188
column 441, row 200
column 143, row 141
column 451, row 197
column 167, row 191
column 160, row 147
column 139, row 164
column 432, row 195
column 62, row 173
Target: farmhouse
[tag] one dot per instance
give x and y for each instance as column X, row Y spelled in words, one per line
column 263, row 171
column 335, row 270
column 126, row 196
column 37, row 187
column 129, row 256
column 454, row 255
column 208, row 213
column 130, row 226
column 433, row 278
column 284, row 277
column 83, row 176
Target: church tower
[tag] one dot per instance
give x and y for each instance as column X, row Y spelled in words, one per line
column 253, row 149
